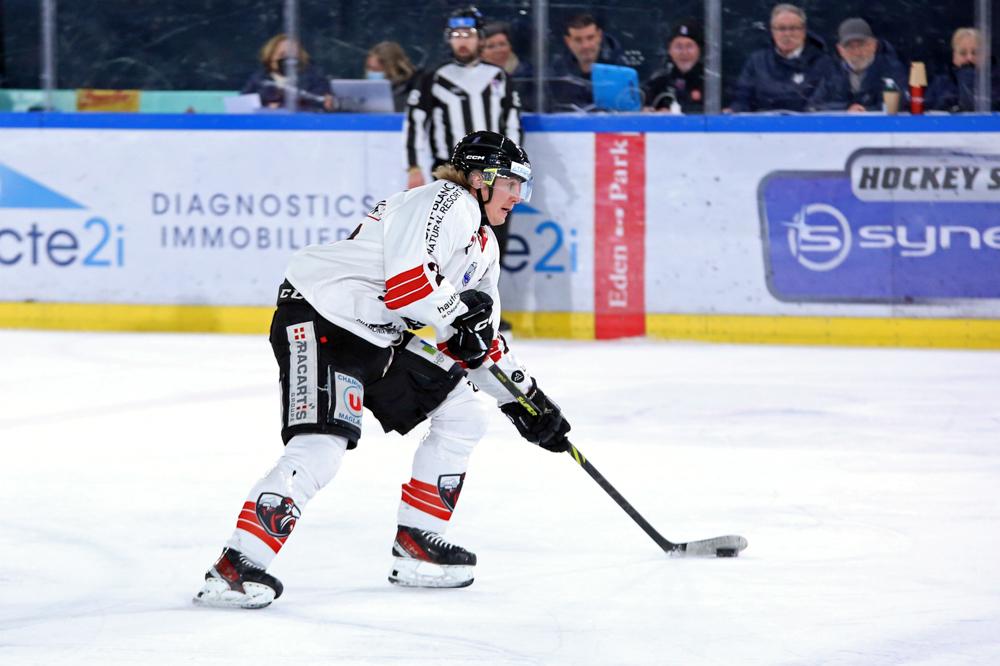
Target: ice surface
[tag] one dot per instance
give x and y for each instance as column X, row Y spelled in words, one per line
column 867, row 482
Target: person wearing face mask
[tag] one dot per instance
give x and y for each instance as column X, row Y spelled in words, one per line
column 680, row 85
column 865, row 66
column 955, row 89
column 388, row 60
column 271, row 81
column 783, row 76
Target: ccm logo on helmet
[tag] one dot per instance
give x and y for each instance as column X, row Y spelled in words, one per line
column 475, row 157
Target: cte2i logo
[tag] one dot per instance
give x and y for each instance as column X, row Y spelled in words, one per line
column 24, row 241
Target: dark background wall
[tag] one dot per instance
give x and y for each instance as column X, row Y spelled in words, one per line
column 213, row 44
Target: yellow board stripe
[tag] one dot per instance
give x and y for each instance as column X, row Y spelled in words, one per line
column 849, row 331
column 144, row 318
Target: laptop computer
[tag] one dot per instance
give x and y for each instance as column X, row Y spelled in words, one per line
column 616, row 88
column 362, row 95
column 241, row 103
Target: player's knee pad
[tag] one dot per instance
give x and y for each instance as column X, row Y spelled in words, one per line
column 310, row 461
column 460, row 421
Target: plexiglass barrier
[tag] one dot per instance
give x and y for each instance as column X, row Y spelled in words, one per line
column 688, row 56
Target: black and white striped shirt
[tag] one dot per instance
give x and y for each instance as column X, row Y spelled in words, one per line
column 454, row 100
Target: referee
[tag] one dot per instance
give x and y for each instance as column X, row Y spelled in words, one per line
column 461, row 96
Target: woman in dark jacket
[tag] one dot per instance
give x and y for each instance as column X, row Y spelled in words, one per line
column 271, row 84
column 955, row 90
column 783, row 76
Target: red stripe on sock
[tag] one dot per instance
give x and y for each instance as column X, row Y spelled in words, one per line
column 423, row 485
column 416, row 503
column 255, row 530
column 425, row 496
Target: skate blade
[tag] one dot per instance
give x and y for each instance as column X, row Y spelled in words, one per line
column 407, row 572
column 217, row 594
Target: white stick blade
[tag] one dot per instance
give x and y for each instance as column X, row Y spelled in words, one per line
column 723, row 546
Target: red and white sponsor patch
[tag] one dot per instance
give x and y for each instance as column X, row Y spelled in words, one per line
column 350, row 398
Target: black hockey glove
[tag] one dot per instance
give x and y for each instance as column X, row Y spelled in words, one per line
column 548, row 429
column 473, row 330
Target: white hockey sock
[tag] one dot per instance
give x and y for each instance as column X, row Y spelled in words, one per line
column 275, row 503
column 440, row 462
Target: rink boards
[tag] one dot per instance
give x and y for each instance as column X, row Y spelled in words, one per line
column 831, row 229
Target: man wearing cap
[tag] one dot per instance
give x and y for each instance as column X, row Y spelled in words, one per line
column 679, row 86
column 866, row 66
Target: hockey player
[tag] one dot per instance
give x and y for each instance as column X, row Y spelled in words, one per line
column 340, row 333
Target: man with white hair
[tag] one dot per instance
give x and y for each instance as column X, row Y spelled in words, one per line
column 783, row 76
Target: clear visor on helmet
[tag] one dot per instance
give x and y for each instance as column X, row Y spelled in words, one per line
column 519, row 174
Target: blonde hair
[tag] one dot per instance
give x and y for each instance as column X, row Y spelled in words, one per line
column 962, row 33
column 447, row 171
column 394, row 60
column 271, row 46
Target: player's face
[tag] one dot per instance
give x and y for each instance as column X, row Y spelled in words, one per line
column 496, row 50
column 964, row 52
column 788, row 31
column 464, row 45
column 684, row 52
column 585, row 43
column 506, row 194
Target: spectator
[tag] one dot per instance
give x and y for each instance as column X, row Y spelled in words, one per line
column 271, row 83
column 783, row 76
column 856, row 79
column 388, row 60
column 497, row 50
column 679, row 86
column 586, row 44
column 955, row 90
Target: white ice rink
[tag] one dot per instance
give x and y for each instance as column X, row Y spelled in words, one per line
column 866, row 481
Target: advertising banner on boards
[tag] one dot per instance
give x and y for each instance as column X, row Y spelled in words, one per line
column 897, row 225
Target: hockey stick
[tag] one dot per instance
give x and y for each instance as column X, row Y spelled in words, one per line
column 722, row 546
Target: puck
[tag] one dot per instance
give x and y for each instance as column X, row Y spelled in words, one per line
column 726, row 552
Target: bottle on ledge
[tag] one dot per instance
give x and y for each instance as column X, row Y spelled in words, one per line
column 918, row 82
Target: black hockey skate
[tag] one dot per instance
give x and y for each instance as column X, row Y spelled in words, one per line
column 425, row 559
column 236, row 582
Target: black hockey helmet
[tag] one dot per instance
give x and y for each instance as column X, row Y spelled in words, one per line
column 494, row 155
column 468, row 18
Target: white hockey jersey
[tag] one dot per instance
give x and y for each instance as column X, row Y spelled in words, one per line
column 403, row 268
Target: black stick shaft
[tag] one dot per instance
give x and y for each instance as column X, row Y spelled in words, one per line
column 581, row 459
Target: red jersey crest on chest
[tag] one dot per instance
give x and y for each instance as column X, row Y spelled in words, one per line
column 483, row 237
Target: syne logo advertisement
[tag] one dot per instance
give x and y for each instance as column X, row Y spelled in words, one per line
column 65, row 239
column 898, row 225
